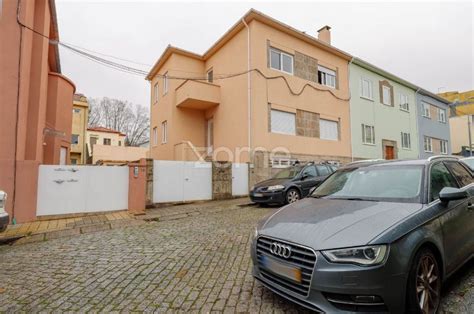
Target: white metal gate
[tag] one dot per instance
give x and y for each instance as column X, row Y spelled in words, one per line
column 81, row 189
column 240, row 179
column 178, row 181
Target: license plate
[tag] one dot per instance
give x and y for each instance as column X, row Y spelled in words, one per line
column 289, row 272
column 257, row 194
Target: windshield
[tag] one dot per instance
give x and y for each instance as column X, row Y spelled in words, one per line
column 394, row 183
column 469, row 162
column 287, row 173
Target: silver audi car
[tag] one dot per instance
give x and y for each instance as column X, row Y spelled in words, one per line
column 374, row 237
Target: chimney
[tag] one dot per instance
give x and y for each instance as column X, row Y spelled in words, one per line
column 324, row 34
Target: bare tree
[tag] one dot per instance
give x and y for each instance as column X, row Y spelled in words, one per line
column 123, row 116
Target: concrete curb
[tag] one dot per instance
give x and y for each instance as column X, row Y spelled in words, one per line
column 97, row 227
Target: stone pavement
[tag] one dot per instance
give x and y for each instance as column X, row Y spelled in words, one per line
column 197, row 263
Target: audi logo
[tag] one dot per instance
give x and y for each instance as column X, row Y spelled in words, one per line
column 280, row 250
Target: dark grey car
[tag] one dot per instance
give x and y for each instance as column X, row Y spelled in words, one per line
column 376, row 236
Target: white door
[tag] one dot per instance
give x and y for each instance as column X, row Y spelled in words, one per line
column 168, row 181
column 197, row 181
column 62, row 156
column 210, row 136
column 240, row 179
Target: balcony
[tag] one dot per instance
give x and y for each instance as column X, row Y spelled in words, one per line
column 198, row 95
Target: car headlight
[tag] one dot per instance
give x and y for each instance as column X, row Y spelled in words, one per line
column 252, row 187
column 363, row 255
column 275, row 188
column 255, row 233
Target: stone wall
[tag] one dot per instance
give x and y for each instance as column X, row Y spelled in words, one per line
column 307, row 123
column 306, row 67
column 221, row 180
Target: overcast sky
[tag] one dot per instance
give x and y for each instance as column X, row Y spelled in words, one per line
column 427, row 43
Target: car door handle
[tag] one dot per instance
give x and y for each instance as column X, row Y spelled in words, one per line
column 470, row 206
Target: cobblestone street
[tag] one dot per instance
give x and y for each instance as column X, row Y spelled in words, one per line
column 197, row 263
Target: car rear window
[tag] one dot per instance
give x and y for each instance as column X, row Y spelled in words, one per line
column 462, row 175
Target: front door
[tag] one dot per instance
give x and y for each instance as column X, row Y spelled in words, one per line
column 389, row 152
column 210, row 136
column 62, row 155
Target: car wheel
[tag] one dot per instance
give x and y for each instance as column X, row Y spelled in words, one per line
column 424, row 284
column 292, row 195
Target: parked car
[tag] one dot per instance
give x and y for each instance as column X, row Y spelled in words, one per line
column 469, row 161
column 4, row 219
column 376, row 236
column 290, row 184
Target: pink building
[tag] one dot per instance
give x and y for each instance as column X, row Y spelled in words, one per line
column 36, row 103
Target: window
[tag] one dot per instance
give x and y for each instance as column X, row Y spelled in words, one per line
column 155, row 93
column 76, row 110
column 107, row 141
column 165, row 83
column 155, row 136
column 440, row 178
column 328, row 130
column 120, row 143
column 164, row 132
column 427, row 144
column 73, row 161
column 326, row 77
column 282, row 122
column 368, row 134
column 441, row 115
column 406, row 143
column 210, row 76
column 323, row 170
column 460, row 173
column 74, row 139
column 366, row 89
column 282, row 162
column 310, row 172
column 281, row 61
column 443, row 146
column 404, row 102
column 386, row 95
column 426, row 110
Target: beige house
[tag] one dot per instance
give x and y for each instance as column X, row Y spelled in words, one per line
column 286, row 98
column 80, row 114
column 100, row 136
column 461, row 120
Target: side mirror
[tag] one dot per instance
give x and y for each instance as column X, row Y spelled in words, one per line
column 304, row 176
column 448, row 194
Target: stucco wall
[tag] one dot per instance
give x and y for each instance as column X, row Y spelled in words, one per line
column 459, row 133
column 118, row 153
column 431, row 126
column 388, row 121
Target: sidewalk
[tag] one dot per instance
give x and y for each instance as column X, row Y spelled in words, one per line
column 56, row 228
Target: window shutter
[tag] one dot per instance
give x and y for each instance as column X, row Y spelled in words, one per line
column 328, row 130
column 283, row 122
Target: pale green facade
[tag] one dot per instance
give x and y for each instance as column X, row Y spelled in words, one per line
column 388, row 121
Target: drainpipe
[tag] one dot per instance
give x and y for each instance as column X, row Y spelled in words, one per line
column 418, row 121
column 249, row 93
column 350, row 114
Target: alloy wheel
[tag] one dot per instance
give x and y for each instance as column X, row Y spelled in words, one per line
column 292, row 196
column 428, row 284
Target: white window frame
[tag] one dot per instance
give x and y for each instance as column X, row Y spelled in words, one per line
column 404, row 104
column 165, row 83
column 426, row 112
column 428, row 143
column 364, row 134
column 155, row 136
column 164, row 132
column 273, row 130
column 281, row 53
column 328, row 73
column 441, row 117
column 155, row 93
column 328, row 137
column 281, row 162
column 443, row 147
column 406, row 140
column 370, row 89
column 386, row 88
